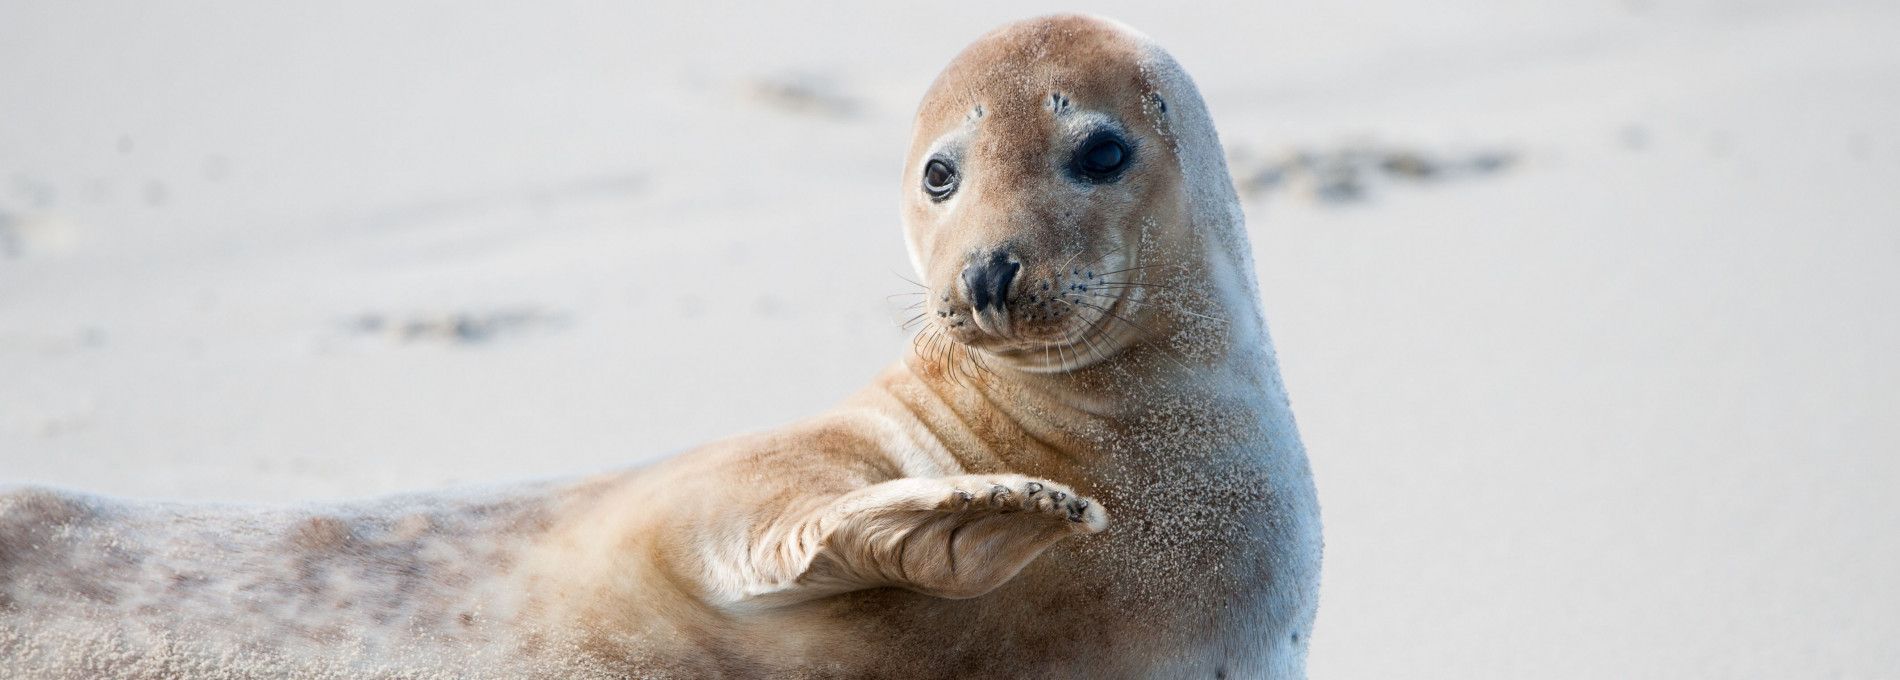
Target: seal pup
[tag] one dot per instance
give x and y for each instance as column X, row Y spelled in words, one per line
column 1087, row 468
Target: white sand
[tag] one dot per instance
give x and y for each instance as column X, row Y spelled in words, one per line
column 1629, row 407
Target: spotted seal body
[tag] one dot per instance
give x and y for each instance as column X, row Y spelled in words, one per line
column 1088, row 467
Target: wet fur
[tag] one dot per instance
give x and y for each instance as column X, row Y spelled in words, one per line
column 914, row 531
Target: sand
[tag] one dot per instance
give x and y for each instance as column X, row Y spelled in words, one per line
column 1587, row 311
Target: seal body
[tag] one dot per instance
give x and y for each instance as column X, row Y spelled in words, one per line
column 1087, row 468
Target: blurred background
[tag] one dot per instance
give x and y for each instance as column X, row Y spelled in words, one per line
column 1587, row 308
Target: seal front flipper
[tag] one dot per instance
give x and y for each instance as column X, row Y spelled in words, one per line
column 953, row 537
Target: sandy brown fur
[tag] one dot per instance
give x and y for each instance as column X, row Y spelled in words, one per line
column 1100, row 480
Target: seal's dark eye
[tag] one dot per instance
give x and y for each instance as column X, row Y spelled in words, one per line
column 1101, row 157
column 940, row 180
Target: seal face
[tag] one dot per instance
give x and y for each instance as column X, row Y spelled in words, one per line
column 1041, row 160
column 1087, row 467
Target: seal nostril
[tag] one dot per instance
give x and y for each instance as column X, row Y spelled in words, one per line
column 1004, row 275
column 976, row 287
column 987, row 283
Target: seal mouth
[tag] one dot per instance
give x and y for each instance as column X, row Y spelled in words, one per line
column 1048, row 318
column 1092, row 334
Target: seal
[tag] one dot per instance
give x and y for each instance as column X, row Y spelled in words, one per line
column 1088, row 467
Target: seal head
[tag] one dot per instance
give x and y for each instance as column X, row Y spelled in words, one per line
column 1048, row 187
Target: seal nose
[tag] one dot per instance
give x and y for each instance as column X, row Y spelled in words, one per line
column 988, row 282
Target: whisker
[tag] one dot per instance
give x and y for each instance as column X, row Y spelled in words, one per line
column 1131, row 269
column 951, row 365
column 1162, row 345
column 1123, row 319
column 1175, row 308
column 963, row 367
column 977, row 359
column 1068, row 356
column 1106, row 255
column 1138, row 284
column 908, row 279
column 1085, row 331
column 927, row 351
column 1122, row 294
column 1060, row 354
column 1132, row 302
column 1066, row 263
column 917, row 344
column 1097, row 351
column 940, row 358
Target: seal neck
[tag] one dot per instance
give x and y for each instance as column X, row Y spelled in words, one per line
column 1205, row 359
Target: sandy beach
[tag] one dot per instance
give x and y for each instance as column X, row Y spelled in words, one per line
column 1587, row 310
